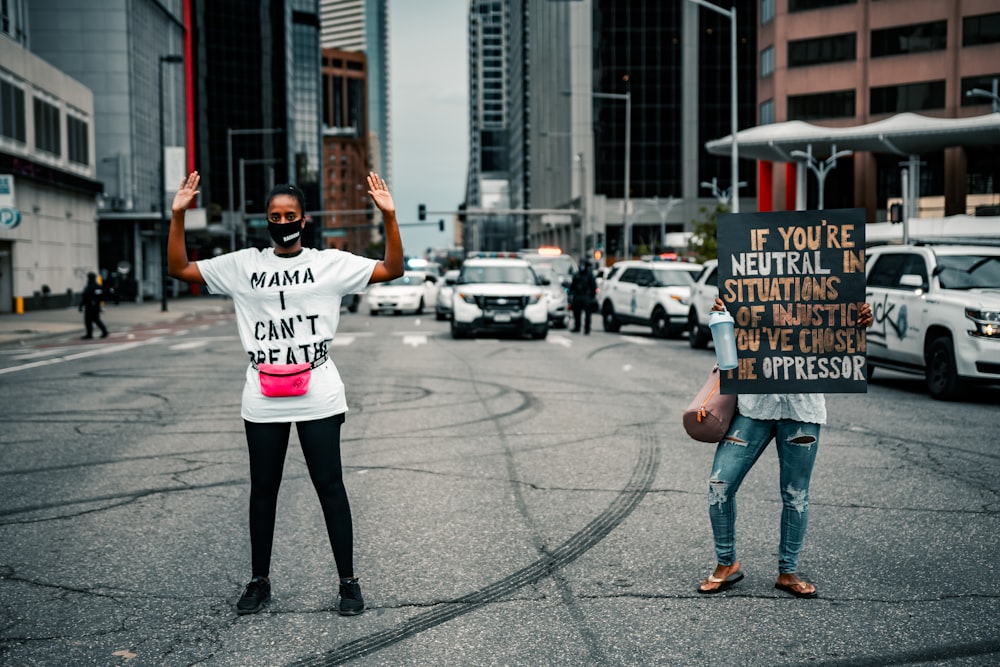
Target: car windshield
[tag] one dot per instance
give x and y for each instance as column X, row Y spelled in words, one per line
column 969, row 271
column 564, row 265
column 674, row 277
column 519, row 275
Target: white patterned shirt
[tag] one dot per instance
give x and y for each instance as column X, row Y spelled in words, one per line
column 800, row 407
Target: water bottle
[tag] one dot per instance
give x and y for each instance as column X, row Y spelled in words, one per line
column 724, row 337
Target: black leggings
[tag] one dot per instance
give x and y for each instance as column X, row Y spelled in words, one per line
column 320, row 441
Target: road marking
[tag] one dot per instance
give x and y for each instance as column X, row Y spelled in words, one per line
column 341, row 341
column 560, row 340
column 190, row 345
column 104, row 349
column 414, row 339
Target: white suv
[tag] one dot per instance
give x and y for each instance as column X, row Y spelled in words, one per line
column 937, row 313
column 703, row 295
column 499, row 295
column 648, row 294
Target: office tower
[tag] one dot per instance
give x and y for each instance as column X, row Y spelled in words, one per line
column 123, row 52
column 849, row 63
column 363, row 25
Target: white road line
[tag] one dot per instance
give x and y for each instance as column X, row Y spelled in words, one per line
column 104, row 349
column 415, row 339
column 560, row 340
column 189, row 345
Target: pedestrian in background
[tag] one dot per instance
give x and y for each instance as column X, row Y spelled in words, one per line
column 583, row 296
column 793, row 421
column 296, row 291
column 90, row 306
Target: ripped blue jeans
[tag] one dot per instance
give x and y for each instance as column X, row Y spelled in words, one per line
column 736, row 453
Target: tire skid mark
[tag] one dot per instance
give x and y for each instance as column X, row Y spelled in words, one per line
column 621, row 507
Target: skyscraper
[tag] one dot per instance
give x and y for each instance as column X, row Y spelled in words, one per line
column 257, row 109
column 363, row 25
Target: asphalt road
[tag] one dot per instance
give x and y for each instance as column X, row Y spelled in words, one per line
column 516, row 502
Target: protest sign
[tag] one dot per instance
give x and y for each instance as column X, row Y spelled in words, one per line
column 794, row 281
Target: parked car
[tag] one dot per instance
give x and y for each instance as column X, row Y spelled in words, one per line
column 442, row 305
column 564, row 266
column 556, row 296
column 648, row 294
column 937, row 313
column 703, row 294
column 499, row 295
column 411, row 292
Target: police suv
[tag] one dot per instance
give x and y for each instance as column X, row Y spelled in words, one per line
column 499, row 294
column 937, row 313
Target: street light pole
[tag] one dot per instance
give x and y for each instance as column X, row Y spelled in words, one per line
column 993, row 96
column 229, row 161
column 164, row 218
column 627, row 96
column 821, row 168
column 733, row 120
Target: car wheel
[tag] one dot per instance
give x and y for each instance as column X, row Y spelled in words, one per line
column 869, row 370
column 942, row 375
column 608, row 319
column 373, row 312
column 697, row 338
column 438, row 315
column 540, row 335
column 457, row 331
column 353, row 308
column 660, row 323
column 420, row 307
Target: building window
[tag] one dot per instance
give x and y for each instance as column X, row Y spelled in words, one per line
column 766, row 112
column 76, row 134
column 832, row 49
column 837, row 104
column 766, row 11
column 47, row 127
column 806, row 5
column 909, row 97
column 918, row 38
column 767, row 62
column 982, row 83
column 12, row 111
column 982, row 29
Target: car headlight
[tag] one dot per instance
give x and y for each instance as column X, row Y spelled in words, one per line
column 987, row 322
column 534, row 298
column 468, row 298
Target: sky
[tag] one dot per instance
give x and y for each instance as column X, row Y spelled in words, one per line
column 429, row 89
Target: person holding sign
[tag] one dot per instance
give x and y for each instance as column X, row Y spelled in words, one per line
column 793, row 421
column 287, row 300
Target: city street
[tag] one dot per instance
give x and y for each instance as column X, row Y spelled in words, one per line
column 516, row 502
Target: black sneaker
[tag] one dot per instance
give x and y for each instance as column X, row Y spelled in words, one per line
column 254, row 598
column 351, row 602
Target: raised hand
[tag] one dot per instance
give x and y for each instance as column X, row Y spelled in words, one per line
column 186, row 193
column 380, row 193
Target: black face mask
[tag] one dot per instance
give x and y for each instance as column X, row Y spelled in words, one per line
column 285, row 234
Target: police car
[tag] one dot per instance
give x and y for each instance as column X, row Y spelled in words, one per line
column 498, row 293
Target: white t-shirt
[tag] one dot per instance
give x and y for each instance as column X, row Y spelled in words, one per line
column 287, row 312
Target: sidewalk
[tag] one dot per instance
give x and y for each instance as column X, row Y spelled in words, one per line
column 38, row 324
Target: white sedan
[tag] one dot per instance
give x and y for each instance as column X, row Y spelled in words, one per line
column 411, row 292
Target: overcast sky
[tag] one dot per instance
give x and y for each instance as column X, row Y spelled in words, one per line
column 429, row 116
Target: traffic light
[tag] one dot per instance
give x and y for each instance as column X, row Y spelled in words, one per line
column 441, row 225
column 421, row 212
column 461, row 212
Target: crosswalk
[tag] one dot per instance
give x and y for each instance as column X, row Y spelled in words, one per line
column 15, row 359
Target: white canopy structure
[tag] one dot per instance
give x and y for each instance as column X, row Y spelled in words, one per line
column 905, row 134
column 902, row 134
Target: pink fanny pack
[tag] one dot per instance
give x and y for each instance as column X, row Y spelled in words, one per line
column 279, row 380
